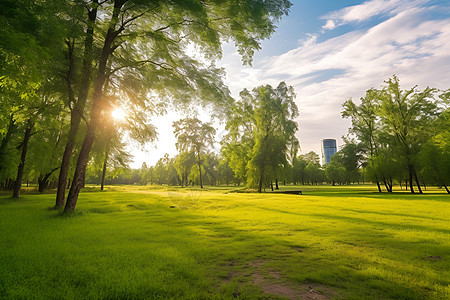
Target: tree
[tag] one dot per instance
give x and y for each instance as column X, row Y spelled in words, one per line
column 237, row 144
column 393, row 125
column 350, row 158
column 364, row 119
column 435, row 154
column 261, row 128
column 194, row 136
column 28, row 34
column 183, row 164
column 145, row 50
column 77, row 96
column 311, row 157
column 298, row 170
column 335, row 172
column 226, row 174
column 314, row 174
column 408, row 115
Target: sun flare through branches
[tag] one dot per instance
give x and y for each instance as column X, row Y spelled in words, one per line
column 118, row 115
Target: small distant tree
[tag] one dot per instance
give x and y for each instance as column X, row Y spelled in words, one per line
column 298, row 170
column 194, row 136
column 183, row 164
column 335, row 172
column 226, row 174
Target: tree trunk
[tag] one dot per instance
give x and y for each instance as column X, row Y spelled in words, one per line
column 379, row 187
column 26, row 138
column 261, row 177
column 65, row 162
column 386, row 186
column 271, row 185
column 5, row 141
column 97, row 103
column 78, row 110
column 200, row 169
column 410, row 172
column 78, row 177
column 417, row 182
column 43, row 180
column 446, row 188
column 276, row 184
column 104, row 170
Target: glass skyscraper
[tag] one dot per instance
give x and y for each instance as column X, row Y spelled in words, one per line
column 328, row 150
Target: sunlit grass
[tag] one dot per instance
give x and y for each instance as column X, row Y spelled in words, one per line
column 150, row 242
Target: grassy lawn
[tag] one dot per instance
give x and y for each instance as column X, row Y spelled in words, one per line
column 155, row 242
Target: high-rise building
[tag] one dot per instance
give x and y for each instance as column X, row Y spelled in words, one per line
column 328, row 150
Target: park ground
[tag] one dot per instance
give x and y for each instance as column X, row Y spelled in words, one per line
column 221, row 243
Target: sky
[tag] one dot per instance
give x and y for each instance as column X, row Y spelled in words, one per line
column 331, row 51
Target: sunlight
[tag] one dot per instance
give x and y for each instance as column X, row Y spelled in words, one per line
column 118, row 114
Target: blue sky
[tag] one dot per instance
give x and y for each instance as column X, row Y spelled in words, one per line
column 331, row 51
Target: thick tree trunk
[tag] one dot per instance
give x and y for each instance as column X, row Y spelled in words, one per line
column 276, row 184
column 78, row 110
column 97, row 105
column 18, row 183
column 80, row 171
column 65, row 163
column 105, row 162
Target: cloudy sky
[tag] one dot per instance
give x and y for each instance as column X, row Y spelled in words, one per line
column 331, row 51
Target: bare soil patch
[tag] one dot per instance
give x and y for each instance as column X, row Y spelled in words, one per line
column 274, row 283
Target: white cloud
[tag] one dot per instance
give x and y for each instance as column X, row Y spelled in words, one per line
column 367, row 10
column 330, row 25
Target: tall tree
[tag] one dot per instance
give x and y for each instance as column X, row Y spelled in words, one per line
column 77, row 95
column 146, row 46
column 263, row 121
column 365, row 126
column 408, row 115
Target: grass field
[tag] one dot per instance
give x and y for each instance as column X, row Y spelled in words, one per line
column 155, row 242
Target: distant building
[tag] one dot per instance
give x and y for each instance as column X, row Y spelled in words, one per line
column 328, row 150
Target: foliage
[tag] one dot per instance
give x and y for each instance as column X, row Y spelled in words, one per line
column 261, row 128
column 393, row 127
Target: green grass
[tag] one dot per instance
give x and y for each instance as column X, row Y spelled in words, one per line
column 127, row 242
